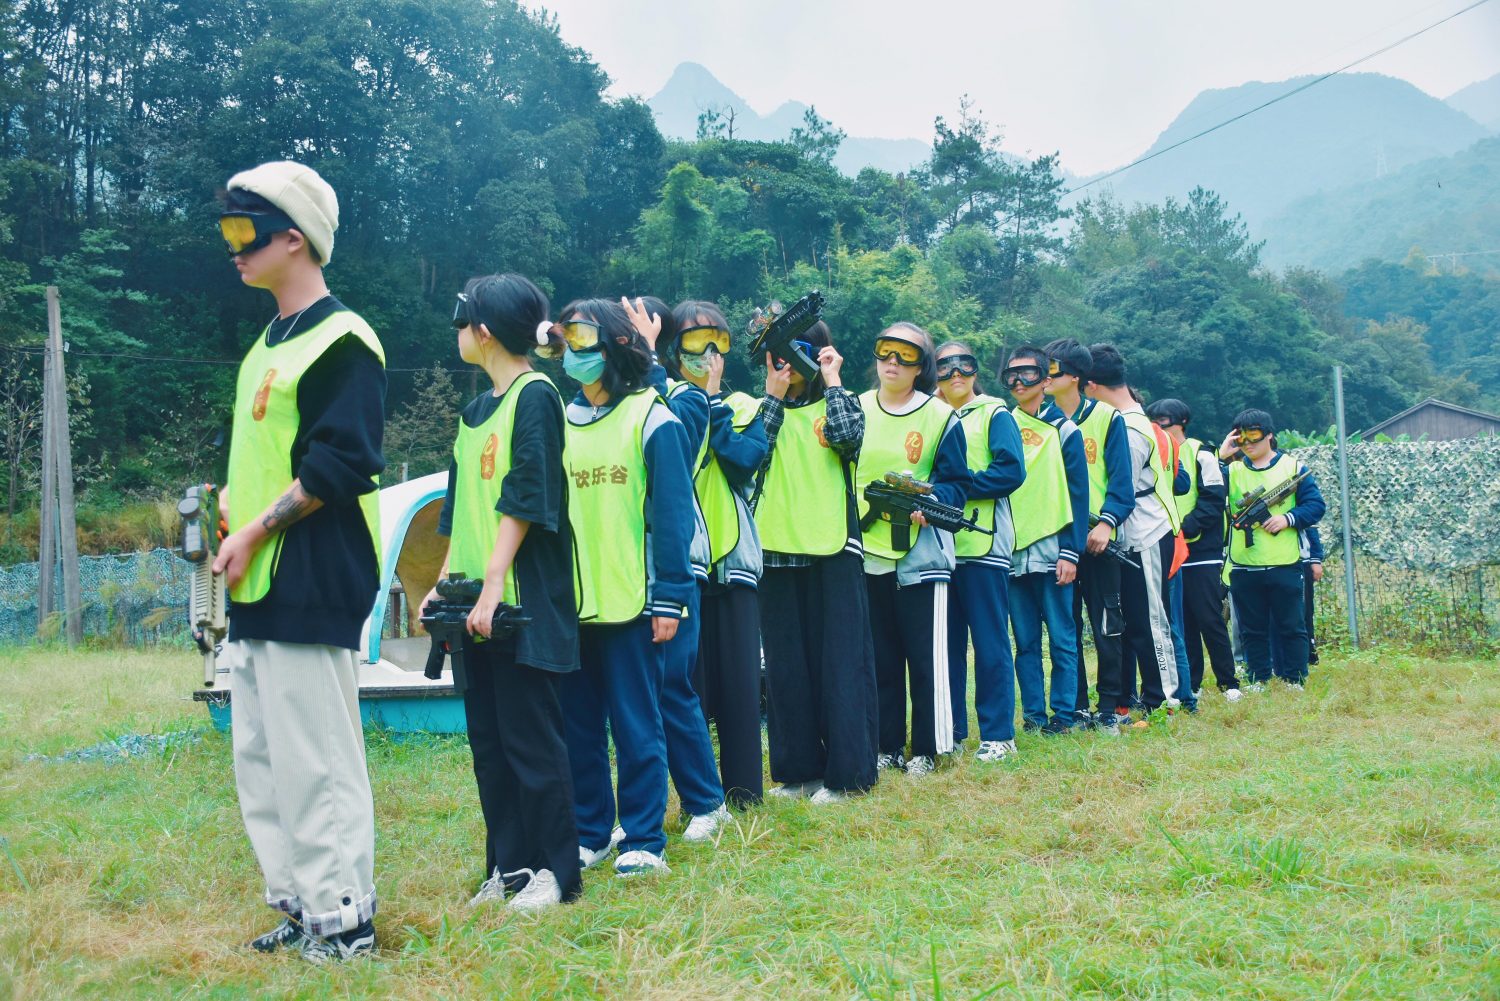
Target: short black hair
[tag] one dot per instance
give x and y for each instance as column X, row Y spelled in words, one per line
column 626, row 356
column 926, row 381
column 1253, row 418
column 511, row 307
column 241, row 200
column 1072, row 358
column 1171, row 410
column 1027, row 351
column 1108, row 369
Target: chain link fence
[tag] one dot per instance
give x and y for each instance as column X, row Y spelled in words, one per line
column 1426, row 535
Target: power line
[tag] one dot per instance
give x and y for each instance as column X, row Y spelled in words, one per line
column 126, row 356
column 1275, row 100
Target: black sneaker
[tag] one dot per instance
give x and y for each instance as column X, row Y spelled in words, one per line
column 1084, row 720
column 341, row 945
column 1029, row 727
column 1056, row 725
column 288, row 935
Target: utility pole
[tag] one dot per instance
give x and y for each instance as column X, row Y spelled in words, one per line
column 59, row 528
column 1347, row 515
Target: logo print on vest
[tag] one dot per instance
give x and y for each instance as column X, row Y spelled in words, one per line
column 913, row 446
column 263, row 395
column 1091, row 450
column 818, row 426
column 1030, row 437
column 487, row 457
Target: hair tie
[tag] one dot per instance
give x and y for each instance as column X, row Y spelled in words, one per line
column 542, row 330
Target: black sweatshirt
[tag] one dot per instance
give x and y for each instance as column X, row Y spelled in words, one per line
column 325, row 582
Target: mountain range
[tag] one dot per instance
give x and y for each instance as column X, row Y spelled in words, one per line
column 1360, row 165
column 693, row 90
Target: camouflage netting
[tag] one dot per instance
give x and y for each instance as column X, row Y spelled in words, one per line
column 135, row 598
column 1418, row 505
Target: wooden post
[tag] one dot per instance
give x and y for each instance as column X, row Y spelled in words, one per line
column 46, row 602
column 62, row 459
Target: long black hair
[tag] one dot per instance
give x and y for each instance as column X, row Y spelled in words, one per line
column 627, row 359
column 820, row 337
column 684, row 315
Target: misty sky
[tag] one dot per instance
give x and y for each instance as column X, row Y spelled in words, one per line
column 1097, row 79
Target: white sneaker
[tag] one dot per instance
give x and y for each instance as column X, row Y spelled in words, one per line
column 796, row 790
column 995, row 750
column 888, row 762
column 705, row 826
column 589, row 857
column 1232, row 694
column 540, row 893
column 638, row 863
column 825, row 796
column 493, row 889
column 1254, row 687
column 1295, row 686
column 1173, row 702
column 920, row 765
column 616, row 836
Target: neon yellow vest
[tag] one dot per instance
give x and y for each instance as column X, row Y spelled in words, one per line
column 1095, row 431
column 606, row 462
column 1161, row 464
column 1186, row 502
column 1040, row 506
column 896, row 444
column 1269, row 550
column 482, row 458
column 803, row 503
column 716, row 498
column 266, row 421
column 976, row 417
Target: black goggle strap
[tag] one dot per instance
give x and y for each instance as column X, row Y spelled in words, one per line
column 462, row 311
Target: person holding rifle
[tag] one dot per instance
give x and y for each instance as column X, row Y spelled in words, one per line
column 909, row 429
column 1265, row 547
column 821, row 720
column 302, row 566
column 506, row 515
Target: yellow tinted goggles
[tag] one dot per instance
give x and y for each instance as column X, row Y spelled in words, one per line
column 246, row 232
column 899, row 351
column 696, row 340
column 579, row 335
column 1249, row 436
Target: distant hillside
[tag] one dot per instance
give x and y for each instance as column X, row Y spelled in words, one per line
column 1325, row 138
column 1443, row 205
column 1480, row 101
column 693, row 90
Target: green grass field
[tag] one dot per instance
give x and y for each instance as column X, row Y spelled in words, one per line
column 1341, row 843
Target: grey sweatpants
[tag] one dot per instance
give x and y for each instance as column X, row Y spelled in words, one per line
column 299, row 764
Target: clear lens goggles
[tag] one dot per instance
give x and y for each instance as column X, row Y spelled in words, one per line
column 696, row 340
column 1026, row 375
column 901, row 352
column 965, row 365
column 247, row 232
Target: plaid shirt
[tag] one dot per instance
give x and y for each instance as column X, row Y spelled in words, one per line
column 845, row 432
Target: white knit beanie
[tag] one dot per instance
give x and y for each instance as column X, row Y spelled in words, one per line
column 298, row 191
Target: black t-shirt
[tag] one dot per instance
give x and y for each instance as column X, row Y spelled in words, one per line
column 327, row 575
column 535, row 490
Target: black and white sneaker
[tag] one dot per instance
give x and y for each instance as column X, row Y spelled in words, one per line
column 340, row 946
column 287, row 935
column 890, row 762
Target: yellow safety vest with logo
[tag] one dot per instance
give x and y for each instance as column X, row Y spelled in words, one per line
column 716, row 498
column 606, row 462
column 1186, row 502
column 1095, row 431
column 802, row 508
column 482, row 457
column 1040, row 506
column 896, row 444
column 976, row 417
column 1161, row 464
column 266, row 421
column 1269, row 550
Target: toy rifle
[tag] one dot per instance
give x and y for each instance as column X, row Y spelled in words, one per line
column 775, row 330
column 208, row 604
column 898, row 495
column 1114, row 550
column 447, row 622
column 1254, row 508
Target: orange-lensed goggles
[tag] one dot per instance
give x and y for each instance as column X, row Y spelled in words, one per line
column 247, row 232
column 1249, row 436
column 901, row 352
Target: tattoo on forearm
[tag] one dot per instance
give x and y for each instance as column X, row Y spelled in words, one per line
column 290, row 507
